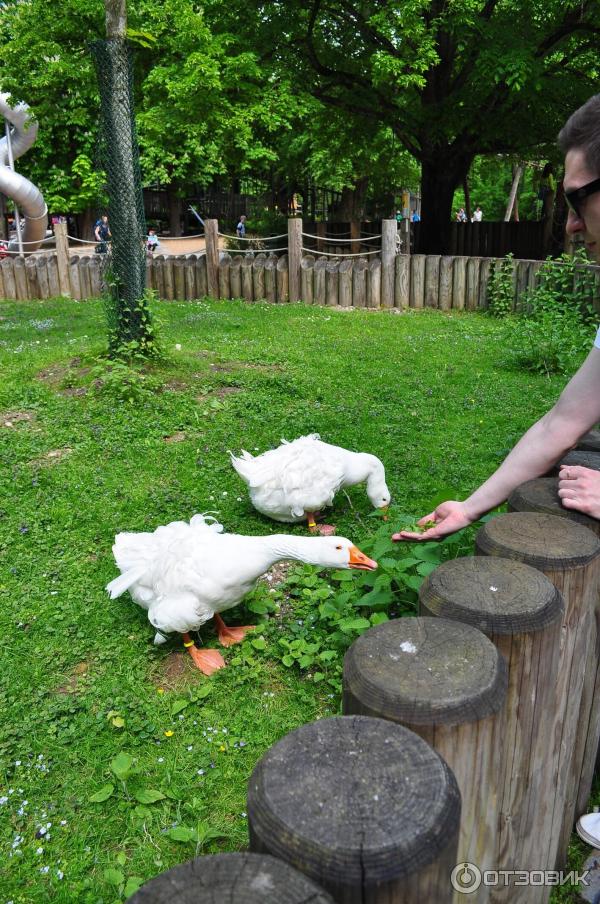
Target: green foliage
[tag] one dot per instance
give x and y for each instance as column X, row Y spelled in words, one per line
column 501, row 287
column 555, row 327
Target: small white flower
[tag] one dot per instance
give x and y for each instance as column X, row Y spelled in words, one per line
column 200, row 772
column 60, row 874
column 39, row 851
column 44, row 869
column 17, row 762
column 161, row 759
column 63, row 822
column 190, row 747
column 178, row 346
column 224, row 493
column 243, row 813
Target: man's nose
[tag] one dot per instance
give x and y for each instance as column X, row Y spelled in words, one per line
column 574, row 223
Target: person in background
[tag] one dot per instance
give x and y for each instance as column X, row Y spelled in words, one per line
column 241, row 227
column 151, row 241
column 415, row 217
column 102, row 233
column 461, row 216
column 477, row 215
column 578, row 408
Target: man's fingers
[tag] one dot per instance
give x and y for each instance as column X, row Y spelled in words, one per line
column 423, row 521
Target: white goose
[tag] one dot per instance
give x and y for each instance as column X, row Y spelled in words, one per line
column 298, row 479
column 184, row 574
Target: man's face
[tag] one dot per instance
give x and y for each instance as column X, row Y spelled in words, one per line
column 577, row 173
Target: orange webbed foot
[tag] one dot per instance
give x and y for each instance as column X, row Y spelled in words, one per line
column 229, row 636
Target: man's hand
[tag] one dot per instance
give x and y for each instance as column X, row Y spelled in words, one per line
column 447, row 519
column 579, row 488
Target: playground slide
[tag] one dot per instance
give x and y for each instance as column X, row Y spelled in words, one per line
column 26, row 196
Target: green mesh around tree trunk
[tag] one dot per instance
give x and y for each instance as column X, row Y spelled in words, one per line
column 120, row 160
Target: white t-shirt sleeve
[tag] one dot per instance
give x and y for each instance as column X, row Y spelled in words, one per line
column 597, row 342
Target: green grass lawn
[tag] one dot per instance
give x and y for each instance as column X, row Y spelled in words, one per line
column 83, row 458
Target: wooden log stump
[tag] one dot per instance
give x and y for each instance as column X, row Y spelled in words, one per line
column 362, row 806
column 258, row 277
column 319, row 286
column 307, row 267
column 223, row 276
column 283, row 293
column 169, row 281
column 521, row 610
column 446, row 682
column 179, row 277
column 582, row 458
column 445, row 296
column 432, row 281
column 402, row 281
column 374, row 283
column 158, row 275
column 74, row 278
column 201, row 276
column 569, row 554
column 53, row 281
column 20, row 278
column 42, row 277
column 345, row 283
column 332, row 283
column 190, row 277
column 590, row 441
column 231, row 879
column 247, row 278
column 459, row 281
column 235, row 276
column 270, row 280
column 541, row 495
column 359, row 283
column 95, row 272
column 8, row 276
column 417, row 280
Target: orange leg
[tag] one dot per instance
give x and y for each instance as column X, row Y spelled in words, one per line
column 229, row 636
column 208, row 661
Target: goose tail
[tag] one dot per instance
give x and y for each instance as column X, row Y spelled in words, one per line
column 119, row 585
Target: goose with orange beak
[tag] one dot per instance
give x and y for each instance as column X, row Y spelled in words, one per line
column 184, row 574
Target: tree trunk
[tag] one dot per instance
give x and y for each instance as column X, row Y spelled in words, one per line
column 116, row 18
column 352, row 203
column 85, row 223
column 440, row 177
column 467, row 192
column 175, row 205
column 513, row 191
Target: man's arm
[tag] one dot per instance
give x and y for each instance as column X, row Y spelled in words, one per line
column 576, row 411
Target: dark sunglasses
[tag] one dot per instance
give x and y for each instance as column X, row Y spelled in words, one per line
column 576, row 197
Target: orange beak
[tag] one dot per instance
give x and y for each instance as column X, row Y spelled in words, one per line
column 359, row 560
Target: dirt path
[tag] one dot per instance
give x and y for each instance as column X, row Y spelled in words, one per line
column 166, row 246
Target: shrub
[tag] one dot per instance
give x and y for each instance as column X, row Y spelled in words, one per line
column 500, row 289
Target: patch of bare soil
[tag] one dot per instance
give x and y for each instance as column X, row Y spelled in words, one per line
column 173, row 671
column 175, row 438
column 52, row 456
column 71, row 685
column 10, row 418
column 219, row 393
column 54, row 375
column 175, row 386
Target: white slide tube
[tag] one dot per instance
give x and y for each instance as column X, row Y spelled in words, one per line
column 28, row 198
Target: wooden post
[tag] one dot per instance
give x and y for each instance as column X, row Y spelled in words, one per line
column 374, row 284
column 235, row 276
column 345, row 283
column 8, row 273
column 179, row 278
column 417, row 280
column 20, row 278
column 84, row 277
column 319, row 287
column 459, row 283
column 239, row 878
column 201, row 276
column 294, row 257
column 541, row 495
column 283, row 291
column 246, row 270
column 569, row 554
column 361, row 806
column 389, row 231
column 211, row 230
column 331, row 283
column 402, row 281
column 445, row 291
column 190, row 277
column 53, row 283
column 158, row 272
column 74, row 278
column 446, row 682
column 472, row 296
column 43, row 281
column 169, row 281
column 31, row 275
column 521, row 610
column 307, row 265
column 258, row 277
column 432, row 281
column 223, row 276
column 62, row 257
column 581, row 458
column 359, row 283
column 270, row 280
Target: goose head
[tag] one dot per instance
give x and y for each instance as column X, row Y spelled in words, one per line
column 377, row 490
column 336, row 552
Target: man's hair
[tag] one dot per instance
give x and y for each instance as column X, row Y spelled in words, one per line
column 582, row 131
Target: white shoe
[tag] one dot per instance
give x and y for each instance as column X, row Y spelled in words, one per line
column 588, row 828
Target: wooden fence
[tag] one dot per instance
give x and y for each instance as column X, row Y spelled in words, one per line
column 384, row 280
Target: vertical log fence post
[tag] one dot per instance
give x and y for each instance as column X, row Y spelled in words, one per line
column 363, row 807
column 389, row 231
column 569, row 554
column 62, row 258
column 446, row 682
column 295, row 258
column 521, row 611
column 211, row 233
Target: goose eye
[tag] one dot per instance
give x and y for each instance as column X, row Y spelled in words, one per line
column 338, row 547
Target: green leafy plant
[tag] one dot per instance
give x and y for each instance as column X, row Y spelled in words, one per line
column 556, row 321
column 500, row 288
